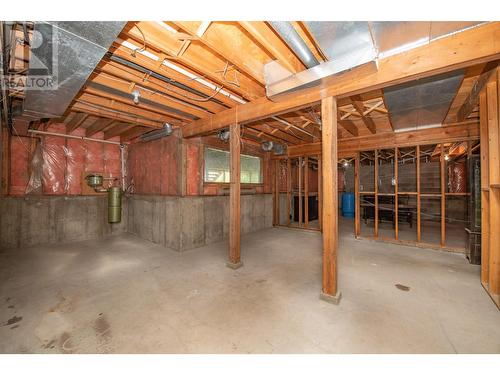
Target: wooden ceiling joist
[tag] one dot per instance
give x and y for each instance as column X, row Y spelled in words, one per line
column 217, row 42
column 75, row 122
column 100, row 124
column 473, row 46
column 357, row 103
column 206, row 63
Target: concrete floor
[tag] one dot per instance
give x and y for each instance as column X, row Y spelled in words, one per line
column 125, row 295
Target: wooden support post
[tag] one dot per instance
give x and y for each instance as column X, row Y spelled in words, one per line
column 357, row 216
column 329, row 290
column 320, row 193
column 419, row 227
column 375, row 229
column 276, row 200
column 396, row 209
column 443, row 197
column 234, row 197
column 493, row 105
column 485, row 187
column 288, row 190
column 300, row 174
column 306, row 192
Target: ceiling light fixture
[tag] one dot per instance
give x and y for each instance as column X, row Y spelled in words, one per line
column 136, row 94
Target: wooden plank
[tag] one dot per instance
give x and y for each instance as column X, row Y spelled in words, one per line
column 277, row 164
column 117, row 129
column 306, row 192
column 288, row 190
column 100, row 124
column 494, row 193
column 75, row 122
column 330, row 199
column 419, row 227
column 273, row 44
column 443, row 196
column 357, row 213
column 320, row 193
column 301, row 175
column 234, row 196
column 358, row 105
column 349, row 146
column 472, row 100
column 217, row 42
column 473, row 46
column 485, row 184
column 350, row 127
column 375, row 228
column 396, row 203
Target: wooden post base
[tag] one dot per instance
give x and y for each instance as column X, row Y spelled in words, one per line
column 234, row 266
column 335, row 300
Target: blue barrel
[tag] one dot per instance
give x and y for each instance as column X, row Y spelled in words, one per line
column 348, row 204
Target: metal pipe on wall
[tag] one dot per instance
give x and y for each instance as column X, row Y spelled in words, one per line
column 40, row 132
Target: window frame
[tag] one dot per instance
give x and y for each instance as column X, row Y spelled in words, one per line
column 252, row 154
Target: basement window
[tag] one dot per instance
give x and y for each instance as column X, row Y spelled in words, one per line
column 217, row 167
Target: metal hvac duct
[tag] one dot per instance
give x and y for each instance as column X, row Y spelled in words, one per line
column 68, row 52
column 422, row 103
column 350, row 45
column 292, row 38
column 157, row 134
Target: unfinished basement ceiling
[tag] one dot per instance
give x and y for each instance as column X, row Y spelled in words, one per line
column 69, row 51
column 422, row 103
column 349, row 45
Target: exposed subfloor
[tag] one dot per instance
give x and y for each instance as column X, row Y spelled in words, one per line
column 125, row 295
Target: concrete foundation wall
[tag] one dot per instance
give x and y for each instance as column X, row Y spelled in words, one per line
column 35, row 220
column 183, row 223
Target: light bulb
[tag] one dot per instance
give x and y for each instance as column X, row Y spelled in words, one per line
column 136, row 94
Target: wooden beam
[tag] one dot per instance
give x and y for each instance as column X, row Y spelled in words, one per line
column 288, row 190
column 358, row 105
column 100, row 124
column 276, row 191
column 419, row 228
column 75, row 122
column 306, row 192
column 493, row 106
column 273, row 44
column 396, row 203
column 485, row 187
column 357, row 216
column 442, row 162
column 133, row 132
column 350, row 127
column 117, row 129
column 472, row 100
column 375, row 228
column 329, row 290
column 234, row 197
column 473, row 46
column 114, row 115
column 320, row 193
column 215, row 40
column 300, row 175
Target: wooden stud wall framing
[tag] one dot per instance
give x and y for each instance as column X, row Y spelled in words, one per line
column 357, row 218
column 441, row 195
column 489, row 101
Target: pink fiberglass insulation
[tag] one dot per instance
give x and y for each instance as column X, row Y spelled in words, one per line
column 75, row 163
column 54, row 161
column 19, row 176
